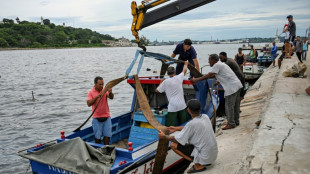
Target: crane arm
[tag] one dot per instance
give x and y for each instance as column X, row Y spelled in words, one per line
column 143, row 19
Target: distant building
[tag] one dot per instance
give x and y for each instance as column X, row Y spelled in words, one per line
column 108, row 42
column 124, row 42
column 42, row 23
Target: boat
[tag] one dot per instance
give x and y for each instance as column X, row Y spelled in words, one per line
column 133, row 138
column 252, row 71
column 265, row 60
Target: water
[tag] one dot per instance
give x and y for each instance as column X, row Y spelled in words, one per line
column 60, row 80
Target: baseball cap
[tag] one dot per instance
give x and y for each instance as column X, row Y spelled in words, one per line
column 289, row 16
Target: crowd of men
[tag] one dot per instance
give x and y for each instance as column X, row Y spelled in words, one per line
column 196, row 140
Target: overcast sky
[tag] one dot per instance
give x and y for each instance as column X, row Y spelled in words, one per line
column 221, row 19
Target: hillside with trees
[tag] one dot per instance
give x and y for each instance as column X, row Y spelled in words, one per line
column 24, row 34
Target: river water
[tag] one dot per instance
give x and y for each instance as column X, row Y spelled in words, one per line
column 60, row 80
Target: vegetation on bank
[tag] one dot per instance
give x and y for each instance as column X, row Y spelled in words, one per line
column 24, row 34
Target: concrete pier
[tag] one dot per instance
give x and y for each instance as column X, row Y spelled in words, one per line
column 281, row 143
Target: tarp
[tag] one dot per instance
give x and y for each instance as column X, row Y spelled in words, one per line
column 76, row 156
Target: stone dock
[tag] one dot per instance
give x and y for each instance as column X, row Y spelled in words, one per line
column 281, row 143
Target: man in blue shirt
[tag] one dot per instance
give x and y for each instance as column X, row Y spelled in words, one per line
column 186, row 53
column 273, row 53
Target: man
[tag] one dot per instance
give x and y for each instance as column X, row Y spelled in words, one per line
column 198, row 133
column 252, row 54
column 186, row 53
column 231, row 85
column 299, row 46
column 236, row 69
column 273, row 53
column 173, row 87
column 102, row 125
column 240, row 58
column 292, row 30
column 305, row 49
column 284, row 50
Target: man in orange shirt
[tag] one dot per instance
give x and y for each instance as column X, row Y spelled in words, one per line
column 102, row 125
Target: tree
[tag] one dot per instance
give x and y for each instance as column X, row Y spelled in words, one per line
column 17, row 20
column 8, row 21
column 144, row 41
column 60, row 37
column 3, row 43
column 46, row 22
column 41, row 39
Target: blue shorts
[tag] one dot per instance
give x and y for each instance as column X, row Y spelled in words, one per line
column 273, row 57
column 102, row 129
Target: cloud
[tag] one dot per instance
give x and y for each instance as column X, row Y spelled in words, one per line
column 223, row 18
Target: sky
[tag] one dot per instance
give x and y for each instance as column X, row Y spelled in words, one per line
column 221, row 19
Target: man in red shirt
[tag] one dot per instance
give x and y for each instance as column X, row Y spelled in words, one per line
column 102, row 125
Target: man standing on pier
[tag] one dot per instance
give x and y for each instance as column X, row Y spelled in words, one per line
column 186, row 53
column 102, row 125
column 292, row 29
column 236, row 69
column 273, row 53
column 196, row 142
column 173, row 87
column 231, row 85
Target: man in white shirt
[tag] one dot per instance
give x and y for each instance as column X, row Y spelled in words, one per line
column 196, row 142
column 173, row 87
column 231, row 85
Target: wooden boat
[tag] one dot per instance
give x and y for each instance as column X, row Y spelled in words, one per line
column 252, row 71
column 134, row 139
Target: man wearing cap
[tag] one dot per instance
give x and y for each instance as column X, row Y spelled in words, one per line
column 292, row 29
column 196, row 142
column 173, row 87
column 186, row 53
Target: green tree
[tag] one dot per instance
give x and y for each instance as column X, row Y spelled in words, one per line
column 144, row 41
column 60, row 37
column 17, row 20
column 7, row 21
column 46, row 21
column 41, row 39
column 3, row 43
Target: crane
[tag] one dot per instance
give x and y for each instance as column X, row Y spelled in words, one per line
column 142, row 18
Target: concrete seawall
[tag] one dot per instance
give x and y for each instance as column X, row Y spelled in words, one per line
column 280, row 144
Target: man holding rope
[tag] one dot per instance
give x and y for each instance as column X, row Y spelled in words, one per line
column 102, row 125
column 231, row 85
column 196, row 142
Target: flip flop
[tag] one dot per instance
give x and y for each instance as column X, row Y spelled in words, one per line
column 193, row 170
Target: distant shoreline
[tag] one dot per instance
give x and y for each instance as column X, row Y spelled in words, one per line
column 49, row 48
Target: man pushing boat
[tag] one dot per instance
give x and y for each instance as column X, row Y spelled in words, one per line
column 196, row 142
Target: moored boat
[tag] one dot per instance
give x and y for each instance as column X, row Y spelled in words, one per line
column 134, row 139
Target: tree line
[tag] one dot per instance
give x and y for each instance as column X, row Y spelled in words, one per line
column 24, row 34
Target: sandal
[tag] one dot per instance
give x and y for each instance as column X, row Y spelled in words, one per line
column 193, row 170
column 228, row 127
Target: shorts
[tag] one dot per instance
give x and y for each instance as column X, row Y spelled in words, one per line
column 187, row 149
column 291, row 39
column 102, row 129
column 282, row 56
column 273, row 57
column 176, row 118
